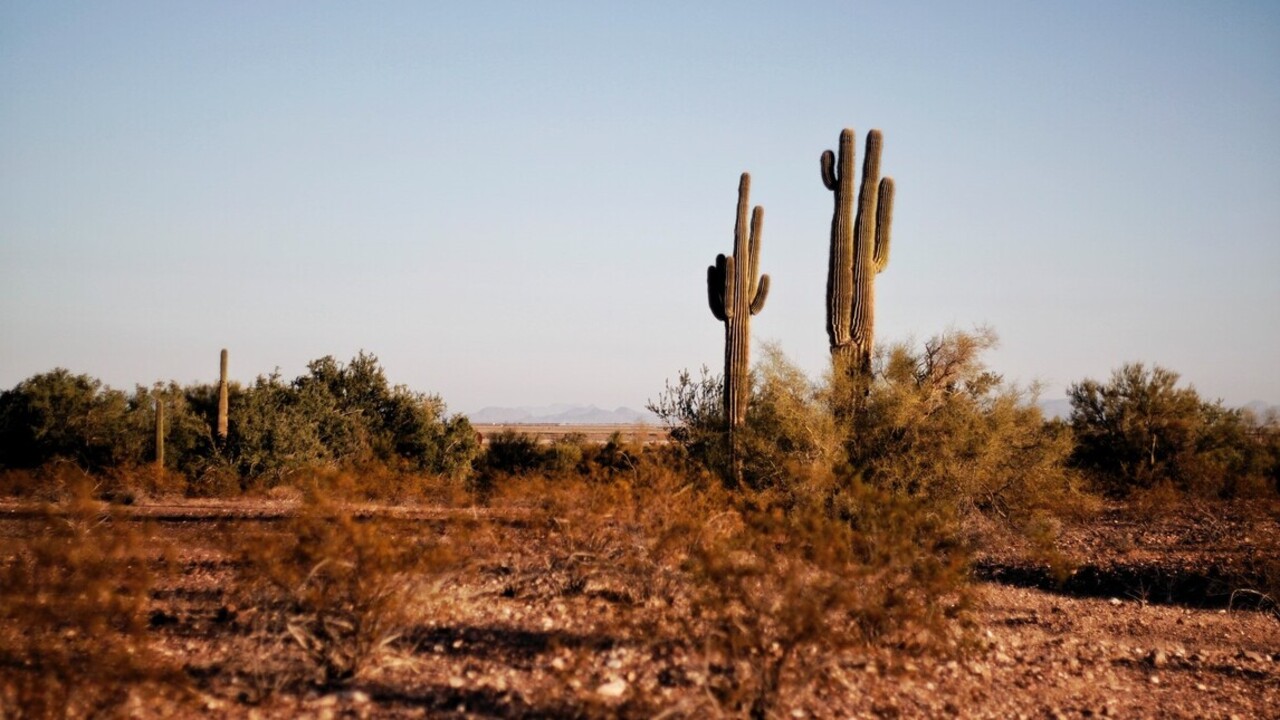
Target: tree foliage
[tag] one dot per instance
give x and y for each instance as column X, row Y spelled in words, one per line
column 334, row 415
column 1140, row 429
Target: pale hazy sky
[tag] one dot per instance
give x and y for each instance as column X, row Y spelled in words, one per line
column 515, row 202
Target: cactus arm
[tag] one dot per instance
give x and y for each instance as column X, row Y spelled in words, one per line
column 884, row 223
column 829, row 169
column 715, row 290
column 863, row 232
column 753, row 267
column 762, row 291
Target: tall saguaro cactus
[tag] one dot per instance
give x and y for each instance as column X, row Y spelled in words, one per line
column 859, row 250
column 736, row 291
column 222, row 397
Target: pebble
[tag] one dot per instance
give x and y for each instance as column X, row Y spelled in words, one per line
column 612, row 689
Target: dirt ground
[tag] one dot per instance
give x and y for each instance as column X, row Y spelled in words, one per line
column 1157, row 620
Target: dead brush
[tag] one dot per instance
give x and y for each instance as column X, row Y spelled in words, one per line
column 597, row 535
column 341, row 587
column 73, row 595
column 773, row 589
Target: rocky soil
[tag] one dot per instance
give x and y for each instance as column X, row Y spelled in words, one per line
column 1130, row 640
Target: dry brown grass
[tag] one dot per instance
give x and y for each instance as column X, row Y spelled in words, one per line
column 73, row 594
column 340, row 587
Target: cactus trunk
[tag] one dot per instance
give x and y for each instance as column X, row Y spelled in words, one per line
column 222, row 397
column 159, row 431
column 736, row 291
column 859, row 250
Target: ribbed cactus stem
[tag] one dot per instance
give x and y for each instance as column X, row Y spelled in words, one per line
column 159, row 431
column 222, row 396
column 735, row 292
column 859, row 250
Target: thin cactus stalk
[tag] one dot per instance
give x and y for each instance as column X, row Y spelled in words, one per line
column 222, row 397
column 859, row 250
column 159, row 431
column 736, row 291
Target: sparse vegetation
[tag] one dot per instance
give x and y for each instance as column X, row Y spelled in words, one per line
column 335, row 416
column 74, row 588
column 343, row 588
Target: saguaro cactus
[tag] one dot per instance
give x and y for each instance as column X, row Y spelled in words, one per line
column 159, row 431
column 736, row 291
column 222, row 397
column 859, row 250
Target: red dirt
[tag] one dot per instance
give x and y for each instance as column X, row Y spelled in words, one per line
column 485, row 650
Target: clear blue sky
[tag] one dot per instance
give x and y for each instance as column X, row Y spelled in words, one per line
column 515, row 203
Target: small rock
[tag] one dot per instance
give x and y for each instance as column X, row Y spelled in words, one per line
column 1154, row 679
column 359, row 697
column 1157, row 659
column 1114, row 601
column 613, row 689
column 456, row 682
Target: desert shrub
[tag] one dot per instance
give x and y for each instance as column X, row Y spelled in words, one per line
column 73, row 593
column 513, row 452
column 342, row 588
column 939, row 424
column 1141, row 430
column 567, row 453
column 787, row 424
column 693, row 412
column 775, row 587
column 597, row 533
column 788, row 429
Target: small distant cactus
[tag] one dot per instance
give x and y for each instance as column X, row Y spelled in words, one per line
column 222, row 397
column 159, row 431
column 736, row 291
column 859, row 250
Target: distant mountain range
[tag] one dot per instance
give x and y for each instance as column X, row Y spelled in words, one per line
column 563, row 415
column 1061, row 408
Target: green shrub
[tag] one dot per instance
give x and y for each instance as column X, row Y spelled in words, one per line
column 939, row 424
column 1140, row 430
column 57, row 415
